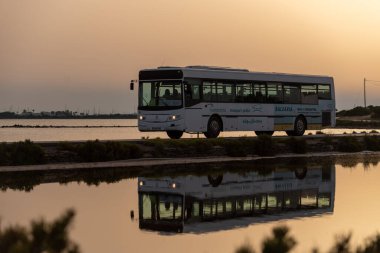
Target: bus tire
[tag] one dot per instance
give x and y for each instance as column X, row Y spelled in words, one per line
column 214, row 127
column 300, row 173
column 269, row 133
column 299, row 126
column 174, row 134
column 215, row 180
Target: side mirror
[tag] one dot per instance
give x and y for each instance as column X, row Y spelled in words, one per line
column 132, row 85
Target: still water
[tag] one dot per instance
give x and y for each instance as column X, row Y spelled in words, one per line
column 215, row 209
column 102, row 129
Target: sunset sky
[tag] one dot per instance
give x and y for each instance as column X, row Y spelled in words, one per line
column 81, row 54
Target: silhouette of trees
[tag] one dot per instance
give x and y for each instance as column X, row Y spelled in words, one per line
column 281, row 242
column 40, row 237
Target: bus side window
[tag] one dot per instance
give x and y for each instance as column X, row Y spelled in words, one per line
column 259, row 93
column 195, row 92
column 309, row 94
column 225, row 92
column 209, row 91
column 292, row 94
column 324, row 91
column 244, row 92
column 275, row 93
column 192, row 95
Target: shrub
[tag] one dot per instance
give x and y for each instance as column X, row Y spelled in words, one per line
column 357, row 111
column 42, row 236
column 327, row 139
column 376, row 112
column 202, row 146
column 92, row 151
column 349, row 144
column 297, row 145
column 236, row 148
column 372, row 143
column 264, row 145
column 280, row 241
column 21, row 153
column 95, row 151
column 4, row 154
column 27, row 152
column 159, row 149
column 176, row 143
column 66, row 146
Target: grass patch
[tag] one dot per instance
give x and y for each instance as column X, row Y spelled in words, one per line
column 96, row 151
column 372, row 143
column 350, row 144
column 236, row 147
column 202, row 146
column 4, row 155
column 21, row 153
column 265, row 145
column 297, row 145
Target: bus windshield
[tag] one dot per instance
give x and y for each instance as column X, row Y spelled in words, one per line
column 161, row 207
column 160, row 94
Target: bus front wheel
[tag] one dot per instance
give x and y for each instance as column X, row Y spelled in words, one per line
column 299, row 127
column 269, row 133
column 174, row 134
column 214, row 127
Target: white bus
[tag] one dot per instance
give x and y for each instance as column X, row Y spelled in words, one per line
column 198, row 99
column 184, row 204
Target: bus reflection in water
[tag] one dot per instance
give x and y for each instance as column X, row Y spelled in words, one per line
column 184, row 204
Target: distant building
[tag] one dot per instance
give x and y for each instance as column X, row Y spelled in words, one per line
column 46, row 114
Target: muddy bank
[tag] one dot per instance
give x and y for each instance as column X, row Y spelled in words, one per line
column 29, row 153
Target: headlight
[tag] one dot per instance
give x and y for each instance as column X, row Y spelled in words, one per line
column 141, row 117
column 174, row 117
column 174, row 185
column 141, row 183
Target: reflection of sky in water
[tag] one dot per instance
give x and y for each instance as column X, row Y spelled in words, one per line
column 62, row 134
column 103, row 221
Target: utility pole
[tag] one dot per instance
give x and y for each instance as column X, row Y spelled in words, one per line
column 365, row 93
column 365, row 99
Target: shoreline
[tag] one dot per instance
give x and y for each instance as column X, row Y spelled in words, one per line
column 143, row 162
column 17, row 178
column 29, row 156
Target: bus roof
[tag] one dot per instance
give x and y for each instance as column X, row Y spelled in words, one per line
column 210, row 72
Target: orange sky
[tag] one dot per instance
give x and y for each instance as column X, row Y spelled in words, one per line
column 81, row 54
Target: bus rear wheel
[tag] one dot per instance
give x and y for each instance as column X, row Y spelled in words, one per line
column 300, row 173
column 174, row 134
column 214, row 127
column 299, row 126
column 269, row 133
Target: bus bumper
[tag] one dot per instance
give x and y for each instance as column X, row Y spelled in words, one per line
column 178, row 125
